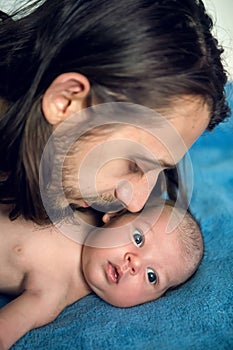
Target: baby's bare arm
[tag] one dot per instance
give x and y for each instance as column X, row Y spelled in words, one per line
column 30, row 310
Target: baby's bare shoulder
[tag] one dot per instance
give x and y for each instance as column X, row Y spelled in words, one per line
column 39, row 258
column 30, row 252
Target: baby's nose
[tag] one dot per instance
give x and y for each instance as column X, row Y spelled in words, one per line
column 132, row 263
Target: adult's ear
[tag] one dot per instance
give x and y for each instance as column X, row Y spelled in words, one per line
column 65, row 96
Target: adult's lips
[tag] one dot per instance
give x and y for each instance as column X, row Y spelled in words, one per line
column 113, row 273
column 107, row 217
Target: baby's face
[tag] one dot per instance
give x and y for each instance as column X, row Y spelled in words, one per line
column 138, row 271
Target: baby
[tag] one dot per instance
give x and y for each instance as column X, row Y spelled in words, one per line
column 133, row 259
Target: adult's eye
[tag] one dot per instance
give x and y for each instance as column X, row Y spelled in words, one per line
column 152, row 278
column 134, row 168
column 138, row 238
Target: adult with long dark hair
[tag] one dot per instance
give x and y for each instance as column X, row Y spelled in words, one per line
column 58, row 57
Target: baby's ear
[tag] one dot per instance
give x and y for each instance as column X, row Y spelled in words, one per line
column 65, row 96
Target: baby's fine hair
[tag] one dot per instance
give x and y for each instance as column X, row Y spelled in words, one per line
column 192, row 242
column 190, row 239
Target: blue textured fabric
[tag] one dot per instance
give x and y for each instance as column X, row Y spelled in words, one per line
column 199, row 314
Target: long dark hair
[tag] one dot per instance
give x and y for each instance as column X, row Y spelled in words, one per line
column 143, row 51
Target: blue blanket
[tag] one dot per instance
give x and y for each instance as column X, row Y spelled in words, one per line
column 198, row 315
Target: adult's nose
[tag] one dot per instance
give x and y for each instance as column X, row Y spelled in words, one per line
column 132, row 263
column 134, row 194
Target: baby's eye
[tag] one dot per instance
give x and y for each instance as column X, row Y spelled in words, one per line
column 138, row 238
column 152, row 278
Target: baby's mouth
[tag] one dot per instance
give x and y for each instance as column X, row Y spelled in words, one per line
column 113, row 273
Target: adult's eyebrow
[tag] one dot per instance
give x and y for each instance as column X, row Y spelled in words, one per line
column 159, row 162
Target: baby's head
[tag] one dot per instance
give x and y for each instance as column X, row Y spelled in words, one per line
column 137, row 257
